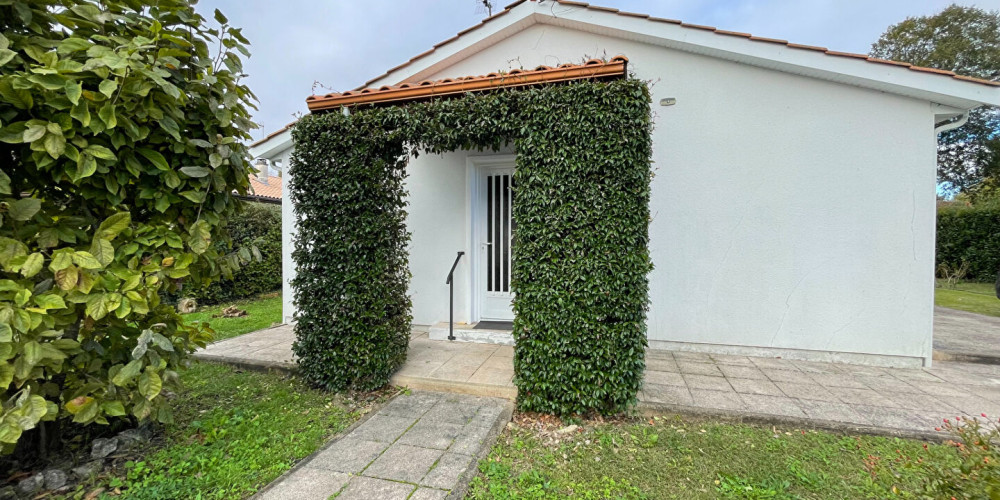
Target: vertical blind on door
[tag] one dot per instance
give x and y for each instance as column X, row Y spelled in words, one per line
column 499, row 227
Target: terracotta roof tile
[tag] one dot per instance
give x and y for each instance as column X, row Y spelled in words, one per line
column 933, row 70
column 807, row 47
column 693, row 26
column 633, row 14
column 768, row 40
column 847, row 54
column 664, row 20
column 699, row 26
column 404, row 92
column 886, row 61
column 733, row 33
column 270, row 190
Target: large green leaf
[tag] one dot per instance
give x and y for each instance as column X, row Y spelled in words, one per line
column 103, row 251
column 201, row 237
column 74, row 90
column 129, row 372
column 10, row 249
column 150, row 384
column 114, row 225
column 32, row 265
column 24, row 209
column 49, row 301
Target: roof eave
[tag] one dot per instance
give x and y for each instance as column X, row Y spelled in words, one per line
column 272, row 146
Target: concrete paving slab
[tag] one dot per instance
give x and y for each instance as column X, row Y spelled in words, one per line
column 707, row 382
column 428, row 494
column 402, row 462
column 447, row 471
column 750, row 371
column 384, row 428
column 772, row 405
column 664, row 378
column 349, row 455
column 722, row 400
column 308, row 484
column 430, row 434
column 693, row 368
column 369, row 488
column 754, row 386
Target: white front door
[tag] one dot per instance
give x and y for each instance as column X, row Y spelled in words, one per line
column 496, row 226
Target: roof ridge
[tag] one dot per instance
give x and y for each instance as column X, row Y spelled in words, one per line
column 682, row 24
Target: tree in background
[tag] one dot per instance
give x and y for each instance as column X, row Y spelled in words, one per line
column 965, row 40
column 121, row 131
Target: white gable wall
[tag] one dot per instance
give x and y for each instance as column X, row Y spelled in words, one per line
column 789, row 214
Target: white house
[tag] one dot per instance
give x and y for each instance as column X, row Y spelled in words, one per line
column 793, row 204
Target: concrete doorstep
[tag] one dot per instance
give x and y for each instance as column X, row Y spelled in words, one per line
column 420, row 446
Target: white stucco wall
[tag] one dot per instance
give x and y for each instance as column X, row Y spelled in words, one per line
column 789, row 214
column 437, row 220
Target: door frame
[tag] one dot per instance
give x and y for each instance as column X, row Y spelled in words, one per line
column 475, row 169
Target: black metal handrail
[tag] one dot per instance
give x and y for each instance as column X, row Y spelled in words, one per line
column 451, row 297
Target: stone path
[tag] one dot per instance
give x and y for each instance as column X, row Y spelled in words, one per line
column 420, row 446
column 965, row 336
column 833, row 395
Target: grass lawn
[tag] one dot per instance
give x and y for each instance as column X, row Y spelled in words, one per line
column 262, row 312
column 681, row 457
column 234, row 432
column 978, row 298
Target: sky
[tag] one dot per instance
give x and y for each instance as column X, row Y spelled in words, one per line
column 337, row 45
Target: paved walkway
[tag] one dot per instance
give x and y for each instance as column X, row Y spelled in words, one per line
column 849, row 397
column 965, row 336
column 421, row 446
column 833, row 395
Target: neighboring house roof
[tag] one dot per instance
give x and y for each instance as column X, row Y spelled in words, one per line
column 593, row 69
column 712, row 29
column 271, row 190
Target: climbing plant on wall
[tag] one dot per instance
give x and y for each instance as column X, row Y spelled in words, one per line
column 581, row 254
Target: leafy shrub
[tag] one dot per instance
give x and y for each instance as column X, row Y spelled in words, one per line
column 580, row 259
column 970, row 236
column 977, row 471
column 120, row 138
column 255, row 232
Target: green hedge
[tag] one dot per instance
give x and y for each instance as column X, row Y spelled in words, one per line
column 259, row 224
column 972, row 235
column 581, row 255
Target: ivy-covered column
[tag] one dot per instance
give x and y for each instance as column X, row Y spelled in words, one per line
column 350, row 251
column 581, row 254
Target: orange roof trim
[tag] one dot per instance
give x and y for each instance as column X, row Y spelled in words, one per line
column 617, row 67
column 748, row 36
